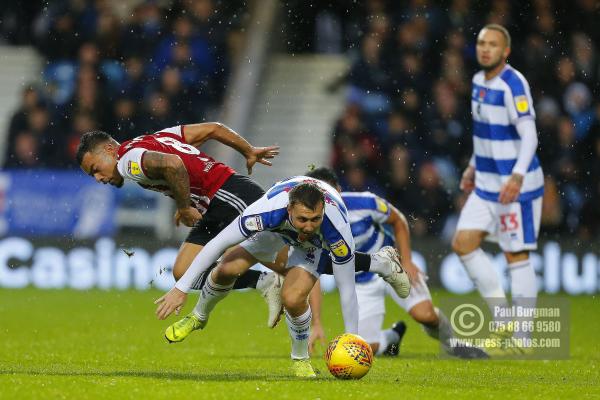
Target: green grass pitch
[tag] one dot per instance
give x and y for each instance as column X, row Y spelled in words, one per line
column 109, row 345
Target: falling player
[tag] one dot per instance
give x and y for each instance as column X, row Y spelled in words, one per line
column 310, row 217
column 208, row 194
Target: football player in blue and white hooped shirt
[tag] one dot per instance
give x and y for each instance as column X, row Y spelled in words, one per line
column 369, row 216
column 304, row 213
column 504, row 176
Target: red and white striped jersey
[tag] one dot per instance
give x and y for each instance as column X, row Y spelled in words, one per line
column 206, row 174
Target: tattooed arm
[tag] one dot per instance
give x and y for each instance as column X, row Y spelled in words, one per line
column 171, row 169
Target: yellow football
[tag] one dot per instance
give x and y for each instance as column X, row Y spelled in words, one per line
column 348, row 356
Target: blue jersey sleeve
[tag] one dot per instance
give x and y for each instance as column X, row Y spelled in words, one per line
column 337, row 235
column 518, row 98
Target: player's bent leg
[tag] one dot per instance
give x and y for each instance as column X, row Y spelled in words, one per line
column 296, row 288
column 188, row 251
column 213, row 291
column 236, row 261
column 424, row 313
column 369, row 326
column 523, row 288
column 479, row 267
column 185, row 256
column 467, row 241
column 437, row 326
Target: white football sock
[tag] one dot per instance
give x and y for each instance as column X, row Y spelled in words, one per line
column 299, row 329
column 386, row 338
column 524, row 289
column 211, row 294
column 483, row 274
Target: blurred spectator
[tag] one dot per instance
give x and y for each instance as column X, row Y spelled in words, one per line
column 433, row 201
column 577, row 101
column 157, row 113
column 143, row 31
column 410, row 91
column 162, row 66
column 406, row 128
column 369, row 80
column 125, row 121
column 19, row 122
column 353, row 144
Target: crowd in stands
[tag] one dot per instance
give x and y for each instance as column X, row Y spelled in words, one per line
column 165, row 63
column 406, row 130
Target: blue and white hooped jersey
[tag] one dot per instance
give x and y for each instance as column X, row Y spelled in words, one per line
column 497, row 105
column 368, row 213
column 269, row 213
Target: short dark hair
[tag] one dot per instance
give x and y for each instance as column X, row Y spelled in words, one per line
column 89, row 141
column 308, row 194
column 502, row 30
column 324, row 174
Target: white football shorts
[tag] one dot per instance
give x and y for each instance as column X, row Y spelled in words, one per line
column 514, row 226
column 265, row 245
column 371, row 301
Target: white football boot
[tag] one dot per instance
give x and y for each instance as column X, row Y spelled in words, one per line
column 397, row 276
column 269, row 285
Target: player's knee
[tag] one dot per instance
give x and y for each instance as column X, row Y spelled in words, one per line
column 226, row 272
column 461, row 244
column 516, row 256
column 293, row 299
column 425, row 314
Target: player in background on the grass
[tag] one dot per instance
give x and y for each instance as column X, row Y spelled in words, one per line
column 208, row 194
column 369, row 215
column 310, row 217
column 504, row 177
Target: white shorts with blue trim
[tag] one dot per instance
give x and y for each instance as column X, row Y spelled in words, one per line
column 371, row 302
column 265, row 245
column 515, row 226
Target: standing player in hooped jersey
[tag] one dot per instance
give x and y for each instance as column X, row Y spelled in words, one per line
column 505, row 178
column 208, row 194
column 310, row 217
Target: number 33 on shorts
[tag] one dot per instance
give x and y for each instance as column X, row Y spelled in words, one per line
column 509, row 222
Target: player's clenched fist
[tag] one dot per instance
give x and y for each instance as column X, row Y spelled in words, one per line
column 467, row 182
column 187, row 216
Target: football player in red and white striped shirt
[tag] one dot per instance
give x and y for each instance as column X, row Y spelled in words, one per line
column 208, row 194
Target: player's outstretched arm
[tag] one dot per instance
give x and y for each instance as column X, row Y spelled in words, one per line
column 402, row 238
column 170, row 168
column 344, row 279
column 197, row 134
